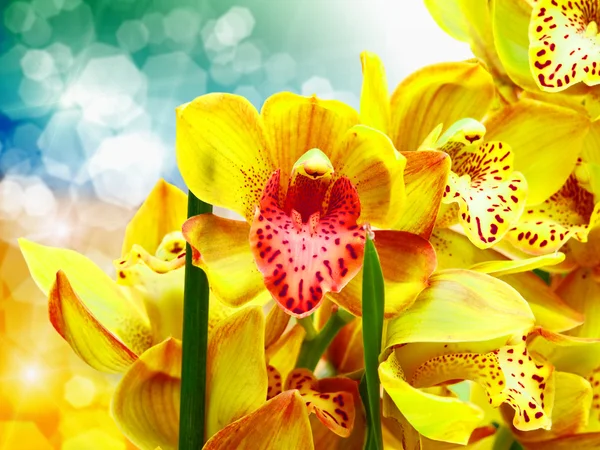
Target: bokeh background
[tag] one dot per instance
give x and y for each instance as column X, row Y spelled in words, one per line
column 87, row 97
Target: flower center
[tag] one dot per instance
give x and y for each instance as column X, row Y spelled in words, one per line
column 307, row 189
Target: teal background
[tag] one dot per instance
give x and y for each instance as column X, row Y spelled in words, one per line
column 88, row 88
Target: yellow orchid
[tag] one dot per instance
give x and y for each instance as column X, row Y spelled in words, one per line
column 547, row 45
column 305, row 242
column 244, row 394
column 490, row 196
column 110, row 323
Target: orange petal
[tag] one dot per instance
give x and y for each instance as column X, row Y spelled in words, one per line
column 222, row 250
column 404, row 277
column 334, row 409
column 425, row 178
column 346, row 351
column 92, row 342
column 256, row 431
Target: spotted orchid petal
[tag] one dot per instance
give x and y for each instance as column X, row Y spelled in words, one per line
column 255, row 431
column 334, row 409
column 454, row 420
column 454, row 250
column 491, row 197
column 404, row 277
column 425, row 178
column 544, row 228
column 523, row 126
column 162, row 213
column 433, row 95
column 221, row 151
column 322, row 436
column 571, row 410
column 220, row 248
column 461, row 305
column 145, row 404
column 374, row 95
column 86, row 307
column 564, row 44
column 301, row 261
column 508, row 374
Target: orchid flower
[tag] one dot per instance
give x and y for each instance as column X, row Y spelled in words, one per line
column 306, row 177
column 109, row 323
column 244, row 394
column 548, row 45
column 490, row 196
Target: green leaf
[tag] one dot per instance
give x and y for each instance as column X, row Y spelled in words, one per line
column 372, row 309
column 195, row 339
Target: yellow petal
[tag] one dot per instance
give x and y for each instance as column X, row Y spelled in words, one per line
column 294, row 124
column 283, row 354
column 544, row 228
column 460, row 305
column 454, row 250
column 92, row 342
column 221, row 151
column 236, row 381
column 334, row 409
column 374, row 96
column 222, row 250
column 425, row 179
column 510, row 20
column 145, row 404
column 434, row 95
column 570, row 414
column 507, row 267
column 368, row 158
column 491, row 197
column 582, row 293
column 584, row 441
column 439, row 418
column 276, row 323
column 346, row 351
column 563, row 45
column 524, row 126
column 404, row 277
column 102, row 297
column 256, row 431
column 163, row 211
column 550, row 310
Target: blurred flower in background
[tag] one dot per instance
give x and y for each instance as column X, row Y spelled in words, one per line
column 88, row 91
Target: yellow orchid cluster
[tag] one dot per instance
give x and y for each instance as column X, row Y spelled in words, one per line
column 468, row 178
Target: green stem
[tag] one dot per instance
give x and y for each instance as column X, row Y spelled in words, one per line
column 195, row 338
column 372, row 321
column 309, row 327
column 312, row 349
